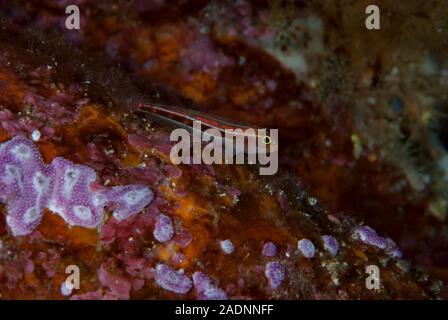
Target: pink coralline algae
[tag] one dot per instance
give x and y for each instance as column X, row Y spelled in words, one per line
column 204, row 288
column 163, row 230
column 269, row 249
column 306, row 248
column 275, row 273
column 201, row 55
column 369, row 236
column 118, row 285
column 171, row 280
column 331, row 245
column 28, row 186
column 183, row 238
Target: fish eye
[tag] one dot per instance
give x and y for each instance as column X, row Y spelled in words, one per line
column 267, row 140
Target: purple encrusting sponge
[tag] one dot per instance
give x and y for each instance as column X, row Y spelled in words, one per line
column 204, row 288
column 369, row 236
column 72, row 198
column 128, row 200
column 25, row 184
column 28, row 186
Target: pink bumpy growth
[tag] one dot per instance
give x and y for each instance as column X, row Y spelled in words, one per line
column 171, row 280
column 28, row 186
column 204, row 288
